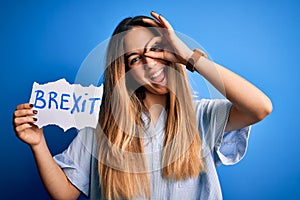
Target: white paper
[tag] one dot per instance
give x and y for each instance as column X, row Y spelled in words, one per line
column 66, row 105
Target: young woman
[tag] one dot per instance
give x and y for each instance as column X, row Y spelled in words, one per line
column 153, row 140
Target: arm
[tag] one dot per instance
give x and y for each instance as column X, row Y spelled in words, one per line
column 53, row 177
column 250, row 105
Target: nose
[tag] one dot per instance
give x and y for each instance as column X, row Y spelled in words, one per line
column 149, row 63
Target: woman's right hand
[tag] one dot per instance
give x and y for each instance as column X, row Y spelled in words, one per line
column 25, row 130
column 53, row 177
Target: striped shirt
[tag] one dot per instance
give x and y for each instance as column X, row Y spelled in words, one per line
column 80, row 164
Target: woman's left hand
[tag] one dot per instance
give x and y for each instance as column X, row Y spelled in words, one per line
column 174, row 50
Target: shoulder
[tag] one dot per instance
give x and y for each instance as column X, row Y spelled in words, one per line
column 84, row 141
column 209, row 102
column 211, row 106
column 86, row 131
column 211, row 116
column 86, row 134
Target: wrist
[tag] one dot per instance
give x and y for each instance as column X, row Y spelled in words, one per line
column 37, row 147
column 193, row 59
column 188, row 54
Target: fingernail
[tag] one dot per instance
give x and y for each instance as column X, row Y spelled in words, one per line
column 31, row 105
column 34, row 119
column 35, row 112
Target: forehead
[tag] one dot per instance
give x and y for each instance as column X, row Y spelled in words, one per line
column 137, row 38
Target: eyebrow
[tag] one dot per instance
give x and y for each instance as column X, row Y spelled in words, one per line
column 131, row 54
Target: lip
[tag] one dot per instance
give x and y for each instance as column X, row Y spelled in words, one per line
column 157, row 74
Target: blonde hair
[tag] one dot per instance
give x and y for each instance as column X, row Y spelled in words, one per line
column 122, row 166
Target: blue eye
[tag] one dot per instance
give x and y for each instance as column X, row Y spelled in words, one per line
column 134, row 60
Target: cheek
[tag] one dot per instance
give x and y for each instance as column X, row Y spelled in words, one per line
column 138, row 75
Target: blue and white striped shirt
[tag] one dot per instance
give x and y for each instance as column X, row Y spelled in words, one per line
column 80, row 163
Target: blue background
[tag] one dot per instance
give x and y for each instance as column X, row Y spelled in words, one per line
column 47, row 40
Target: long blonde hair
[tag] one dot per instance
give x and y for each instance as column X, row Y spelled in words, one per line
column 121, row 161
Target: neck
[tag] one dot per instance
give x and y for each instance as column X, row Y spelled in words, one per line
column 154, row 104
column 154, row 99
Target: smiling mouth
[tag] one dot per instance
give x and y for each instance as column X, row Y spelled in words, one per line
column 158, row 76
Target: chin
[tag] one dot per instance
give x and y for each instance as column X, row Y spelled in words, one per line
column 162, row 90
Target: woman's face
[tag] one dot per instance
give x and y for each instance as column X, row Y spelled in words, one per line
column 149, row 72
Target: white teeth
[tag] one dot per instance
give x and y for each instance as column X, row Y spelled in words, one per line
column 157, row 73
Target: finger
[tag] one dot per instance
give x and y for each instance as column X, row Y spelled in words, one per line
column 23, row 120
column 165, row 44
column 162, row 20
column 157, row 39
column 152, row 22
column 24, row 106
column 155, row 55
column 157, row 17
column 165, row 22
column 22, row 127
column 163, row 55
column 23, row 113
